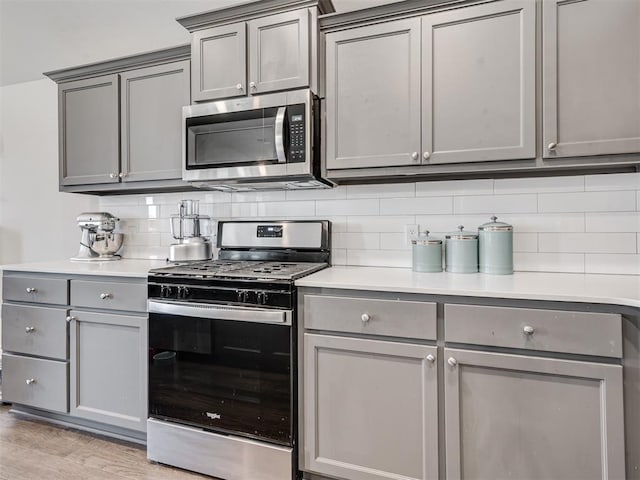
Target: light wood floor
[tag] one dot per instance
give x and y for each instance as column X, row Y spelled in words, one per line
column 35, row 450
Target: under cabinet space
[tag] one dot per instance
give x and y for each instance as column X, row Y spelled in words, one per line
column 109, row 295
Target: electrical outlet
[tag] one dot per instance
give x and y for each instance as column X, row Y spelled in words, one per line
column 410, row 231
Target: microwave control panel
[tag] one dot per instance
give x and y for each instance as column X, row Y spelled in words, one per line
column 296, row 118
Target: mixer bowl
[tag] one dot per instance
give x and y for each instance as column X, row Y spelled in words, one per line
column 107, row 244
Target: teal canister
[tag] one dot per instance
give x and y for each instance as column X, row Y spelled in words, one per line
column 427, row 253
column 496, row 247
column 461, row 251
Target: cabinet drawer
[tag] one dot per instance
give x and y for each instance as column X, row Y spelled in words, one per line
column 35, row 289
column 109, row 295
column 392, row 318
column 35, row 331
column 547, row 330
column 47, row 387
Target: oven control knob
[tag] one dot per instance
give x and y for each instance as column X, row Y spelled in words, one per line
column 243, row 296
column 261, row 298
column 183, row 292
column 165, row 291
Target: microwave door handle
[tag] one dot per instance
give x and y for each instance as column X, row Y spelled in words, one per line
column 279, row 135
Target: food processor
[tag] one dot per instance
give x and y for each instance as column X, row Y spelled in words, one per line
column 192, row 232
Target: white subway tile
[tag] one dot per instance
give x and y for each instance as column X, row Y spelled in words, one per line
column 379, row 258
column 613, row 182
column 416, row 206
column 217, row 197
column 525, row 242
column 338, row 256
column 152, row 224
column 348, row 207
column 587, row 202
column 638, row 200
column 393, row 241
column 243, row 197
column 359, row 241
column 454, row 187
column 389, row 190
column 244, row 210
column 612, row 222
column 336, row 193
column 587, row 242
column 379, row 223
column 491, row 204
column 539, row 185
column 107, row 202
column 545, row 222
column 140, row 211
column 548, row 262
column 449, row 223
column 220, row 211
column 146, row 252
column 613, row 263
column 143, row 239
column 638, row 243
column 286, row 209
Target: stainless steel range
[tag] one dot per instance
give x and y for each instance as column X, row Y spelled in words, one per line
column 222, row 352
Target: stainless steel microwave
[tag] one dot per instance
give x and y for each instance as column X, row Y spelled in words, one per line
column 266, row 141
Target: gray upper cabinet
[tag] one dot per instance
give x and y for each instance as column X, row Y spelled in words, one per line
column 513, row 416
column 219, row 68
column 279, row 52
column 88, row 125
column 478, row 74
column 373, row 95
column 151, row 107
column 591, row 77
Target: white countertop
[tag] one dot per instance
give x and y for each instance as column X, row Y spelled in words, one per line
column 119, row 268
column 565, row 287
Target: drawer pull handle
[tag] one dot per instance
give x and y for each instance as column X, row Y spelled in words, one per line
column 70, row 319
column 31, row 290
column 104, row 296
column 452, row 361
column 528, row 330
column 30, row 381
column 30, row 329
column 365, row 317
column 431, row 358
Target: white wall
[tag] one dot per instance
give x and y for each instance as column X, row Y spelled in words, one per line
column 578, row 224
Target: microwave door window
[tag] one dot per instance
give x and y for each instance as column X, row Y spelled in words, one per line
column 232, row 140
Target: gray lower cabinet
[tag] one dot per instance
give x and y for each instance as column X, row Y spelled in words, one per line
column 528, row 418
column 591, row 77
column 371, row 409
column 108, row 380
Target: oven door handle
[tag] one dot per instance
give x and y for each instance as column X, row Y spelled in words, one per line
column 279, row 135
column 221, row 312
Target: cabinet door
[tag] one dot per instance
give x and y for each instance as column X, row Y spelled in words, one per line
column 373, row 95
column 151, row 104
column 88, row 125
column 108, row 368
column 371, row 409
column 479, row 83
column 279, row 52
column 511, row 416
column 219, row 62
column 591, row 77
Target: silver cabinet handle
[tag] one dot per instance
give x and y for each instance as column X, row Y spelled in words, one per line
column 30, row 381
column 252, row 85
column 426, row 155
column 30, row 329
column 430, row 358
column 528, row 330
column 365, row 317
column 452, row 361
column 552, row 146
column 104, row 296
column 414, row 156
column 122, row 174
column 31, row 290
column 239, row 86
column 70, row 319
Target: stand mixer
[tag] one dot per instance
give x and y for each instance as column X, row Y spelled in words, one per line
column 192, row 232
column 99, row 242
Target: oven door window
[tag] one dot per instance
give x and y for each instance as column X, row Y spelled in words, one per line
column 223, row 375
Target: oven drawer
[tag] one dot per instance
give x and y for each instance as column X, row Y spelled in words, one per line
column 533, row 329
column 109, row 295
column 35, row 331
column 35, row 382
column 370, row 316
column 35, row 289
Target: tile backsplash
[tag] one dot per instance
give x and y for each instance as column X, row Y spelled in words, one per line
column 576, row 224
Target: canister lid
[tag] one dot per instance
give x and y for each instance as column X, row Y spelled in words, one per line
column 462, row 235
column 425, row 240
column 494, row 226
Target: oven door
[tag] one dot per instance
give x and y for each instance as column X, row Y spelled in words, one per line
column 222, row 368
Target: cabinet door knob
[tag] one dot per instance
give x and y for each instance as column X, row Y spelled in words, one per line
column 239, row 86
column 113, row 175
column 431, row 358
column 452, row 361
column 414, row 156
column 31, row 290
column 70, row 319
column 252, row 85
column 30, row 381
column 122, row 174
column 365, row 317
column 528, row 330
column 552, row 146
column 104, row 296
column 30, row 329
column 426, row 155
